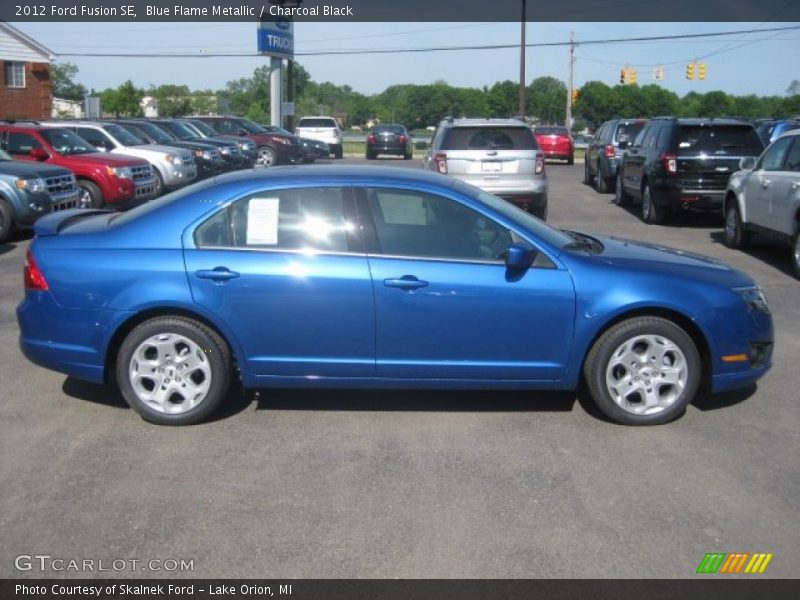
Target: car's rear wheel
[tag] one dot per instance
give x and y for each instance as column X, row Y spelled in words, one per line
column 173, row 370
column 408, row 156
column 652, row 214
column 6, row 220
column 643, row 371
column 796, row 253
column 587, row 174
column 267, row 157
column 338, row 153
column 91, row 196
column 600, row 182
column 370, row 155
column 621, row 197
column 735, row 234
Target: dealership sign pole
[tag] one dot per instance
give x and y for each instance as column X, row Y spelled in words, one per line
column 276, row 40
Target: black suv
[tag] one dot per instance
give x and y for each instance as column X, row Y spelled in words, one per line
column 604, row 152
column 683, row 164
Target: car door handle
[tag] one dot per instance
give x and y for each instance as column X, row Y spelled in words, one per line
column 765, row 183
column 795, row 185
column 406, row 282
column 216, row 274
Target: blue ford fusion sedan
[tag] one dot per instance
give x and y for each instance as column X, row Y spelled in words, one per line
column 377, row 278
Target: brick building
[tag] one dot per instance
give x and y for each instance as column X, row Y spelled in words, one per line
column 25, row 89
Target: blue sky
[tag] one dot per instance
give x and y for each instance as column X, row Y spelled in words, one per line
column 762, row 63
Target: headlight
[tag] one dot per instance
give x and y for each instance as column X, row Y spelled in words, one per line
column 282, row 140
column 123, row 172
column 225, row 150
column 33, row 184
column 172, row 159
column 754, row 299
column 248, row 146
column 203, row 154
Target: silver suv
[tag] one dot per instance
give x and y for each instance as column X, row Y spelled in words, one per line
column 500, row 156
column 322, row 129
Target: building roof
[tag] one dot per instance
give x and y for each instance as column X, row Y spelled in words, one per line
column 44, row 52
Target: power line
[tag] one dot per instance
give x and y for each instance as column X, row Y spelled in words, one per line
column 434, row 48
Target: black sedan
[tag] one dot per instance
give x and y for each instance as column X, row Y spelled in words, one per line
column 389, row 139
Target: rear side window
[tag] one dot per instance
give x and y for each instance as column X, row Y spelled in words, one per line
column 316, row 122
column 627, row 132
column 718, row 139
column 489, row 138
column 293, row 219
column 21, row 143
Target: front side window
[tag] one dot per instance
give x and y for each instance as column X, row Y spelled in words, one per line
column 15, row 74
column 302, row 219
column 417, row 224
column 793, row 158
column 66, row 142
column 774, row 156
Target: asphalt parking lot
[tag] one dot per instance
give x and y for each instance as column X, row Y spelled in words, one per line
column 323, row 484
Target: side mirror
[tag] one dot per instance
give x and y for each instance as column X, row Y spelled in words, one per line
column 747, row 163
column 519, row 257
column 101, row 148
column 622, row 144
column 38, row 154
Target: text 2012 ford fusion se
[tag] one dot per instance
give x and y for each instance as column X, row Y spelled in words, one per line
column 377, row 278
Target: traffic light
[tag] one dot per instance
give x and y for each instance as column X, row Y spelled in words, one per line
column 690, row 71
column 623, row 76
column 701, row 71
column 631, row 76
column 575, row 96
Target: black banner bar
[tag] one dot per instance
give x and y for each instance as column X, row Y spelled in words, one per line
column 401, row 10
column 705, row 588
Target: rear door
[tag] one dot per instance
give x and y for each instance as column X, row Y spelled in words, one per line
column 285, row 269
column 491, row 156
column 636, row 156
column 445, row 306
column 19, row 145
column 764, row 185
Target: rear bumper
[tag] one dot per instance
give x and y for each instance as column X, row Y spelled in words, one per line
column 560, row 153
column 387, row 149
column 688, row 198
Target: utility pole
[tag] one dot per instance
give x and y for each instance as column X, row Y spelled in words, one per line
column 569, row 85
column 522, row 63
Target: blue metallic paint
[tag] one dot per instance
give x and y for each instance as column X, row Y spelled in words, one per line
column 325, row 319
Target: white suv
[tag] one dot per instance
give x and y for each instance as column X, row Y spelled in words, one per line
column 764, row 196
column 173, row 167
column 323, row 129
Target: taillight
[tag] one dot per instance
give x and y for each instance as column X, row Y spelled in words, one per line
column 34, row 279
column 539, row 168
column 402, row 139
column 609, row 151
column 440, row 162
column 370, row 138
column 670, row 162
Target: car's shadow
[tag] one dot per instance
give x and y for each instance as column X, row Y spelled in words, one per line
column 766, row 249
column 683, row 218
column 6, row 248
column 706, row 401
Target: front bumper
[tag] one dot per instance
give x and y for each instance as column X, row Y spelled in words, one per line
column 179, row 175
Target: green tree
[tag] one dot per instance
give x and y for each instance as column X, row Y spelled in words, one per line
column 503, row 99
column 62, row 78
column 124, row 101
column 173, row 100
column 546, row 99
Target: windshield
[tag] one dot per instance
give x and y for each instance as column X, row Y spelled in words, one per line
column 250, row 126
column 489, row 138
column 316, row 122
column 66, row 142
column 539, row 228
column 155, row 132
column 123, row 136
column 179, row 130
column 718, row 139
column 203, row 128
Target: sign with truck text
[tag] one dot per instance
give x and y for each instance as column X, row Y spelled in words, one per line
column 276, row 36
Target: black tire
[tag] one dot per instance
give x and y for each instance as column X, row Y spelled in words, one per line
column 408, row 156
column 796, row 253
column 736, row 236
column 603, row 351
column 621, row 197
column 370, row 156
column 266, row 157
column 600, row 182
column 652, row 213
column 215, row 355
column 160, row 187
column 6, row 220
column 91, row 197
column 571, row 160
column 587, row 174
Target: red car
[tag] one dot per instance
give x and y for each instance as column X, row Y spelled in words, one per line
column 103, row 178
column 555, row 142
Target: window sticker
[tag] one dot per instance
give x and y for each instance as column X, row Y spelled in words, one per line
column 262, row 221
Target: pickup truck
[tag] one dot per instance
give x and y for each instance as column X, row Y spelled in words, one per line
column 113, row 180
column 764, row 197
column 28, row 191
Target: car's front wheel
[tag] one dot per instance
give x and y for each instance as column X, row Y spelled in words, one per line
column 267, row 157
column 735, row 234
column 643, row 371
column 796, row 253
column 587, row 174
column 173, row 370
column 91, row 196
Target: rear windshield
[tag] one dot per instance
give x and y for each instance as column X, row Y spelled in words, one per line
column 627, row 132
column 312, row 122
column 551, row 131
column 389, row 129
column 489, row 138
column 718, row 139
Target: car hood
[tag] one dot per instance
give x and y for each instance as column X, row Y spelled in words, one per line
column 648, row 257
column 106, row 159
column 30, row 169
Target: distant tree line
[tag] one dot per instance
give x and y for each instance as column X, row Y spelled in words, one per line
column 419, row 106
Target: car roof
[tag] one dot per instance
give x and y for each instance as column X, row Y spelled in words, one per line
column 293, row 173
column 705, row 121
column 789, row 133
column 485, row 122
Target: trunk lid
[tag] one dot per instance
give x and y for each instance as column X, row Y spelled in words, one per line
column 77, row 220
